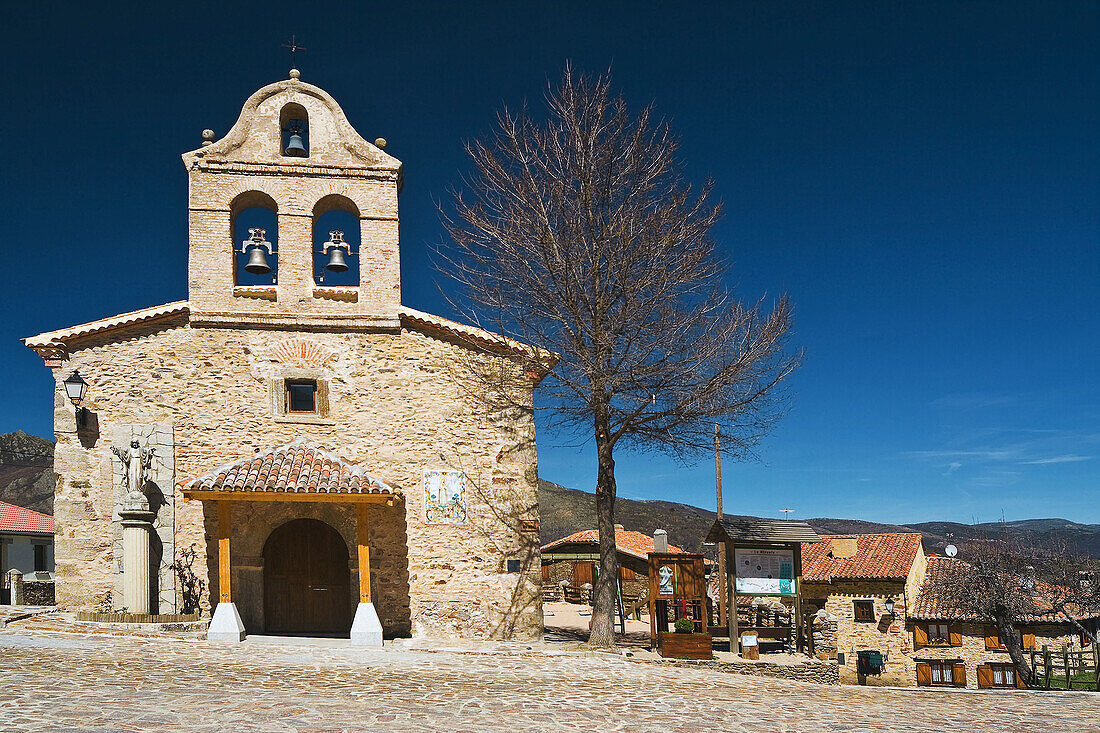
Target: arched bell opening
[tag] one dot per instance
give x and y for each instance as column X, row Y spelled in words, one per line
column 336, row 241
column 254, row 223
column 306, row 580
column 294, row 124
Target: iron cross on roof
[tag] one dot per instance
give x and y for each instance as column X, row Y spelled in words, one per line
column 294, row 48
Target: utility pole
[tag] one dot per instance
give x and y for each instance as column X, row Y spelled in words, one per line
column 722, row 594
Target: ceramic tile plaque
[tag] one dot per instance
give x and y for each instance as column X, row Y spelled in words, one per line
column 444, row 497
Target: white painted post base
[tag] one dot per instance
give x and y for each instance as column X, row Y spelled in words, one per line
column 226, row 624
column 366, row 630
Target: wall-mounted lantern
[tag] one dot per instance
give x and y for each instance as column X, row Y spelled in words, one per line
column 890, row 606
column 75, row 387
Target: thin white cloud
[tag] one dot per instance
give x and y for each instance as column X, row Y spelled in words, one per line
column 986, row 455
column 952, row 467
column 1071, row 458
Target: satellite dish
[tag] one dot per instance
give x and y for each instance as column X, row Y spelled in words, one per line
column 951, row 550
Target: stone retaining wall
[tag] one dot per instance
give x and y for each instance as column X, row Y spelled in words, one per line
column 38, row 593
column 820, row 672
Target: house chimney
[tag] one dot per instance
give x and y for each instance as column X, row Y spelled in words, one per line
column 843, row 547
column 660, row 540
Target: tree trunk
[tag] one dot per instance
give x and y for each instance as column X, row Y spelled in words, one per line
column 603, row 596
column 1015, row 648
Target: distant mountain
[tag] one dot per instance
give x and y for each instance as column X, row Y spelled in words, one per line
column 26, row 471
column 564, row 511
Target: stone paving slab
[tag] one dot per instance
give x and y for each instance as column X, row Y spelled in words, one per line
column 80, row 682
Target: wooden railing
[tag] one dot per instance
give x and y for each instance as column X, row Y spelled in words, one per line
column 1067, row 669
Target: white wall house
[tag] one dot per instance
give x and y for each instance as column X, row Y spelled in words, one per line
column 26, row 545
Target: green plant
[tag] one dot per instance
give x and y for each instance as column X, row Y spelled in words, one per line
column 684, row 626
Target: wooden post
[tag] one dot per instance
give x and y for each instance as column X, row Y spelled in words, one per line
column 722, row 595
column 1065, row 661
column 225, row 529
column 731, row 594
column 1096, row 663
column 799, row 629
column 361, row 532
column 1046, row 664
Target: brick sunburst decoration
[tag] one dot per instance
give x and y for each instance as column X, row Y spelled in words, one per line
column 302, row 352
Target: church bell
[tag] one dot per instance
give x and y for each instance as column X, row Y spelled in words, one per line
column 295, row 148
column 254, row 247
column 336, row 247
column 257, row 262
column 336, row 261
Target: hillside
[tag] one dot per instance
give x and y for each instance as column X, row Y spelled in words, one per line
column 564, row 511
column 26, row 471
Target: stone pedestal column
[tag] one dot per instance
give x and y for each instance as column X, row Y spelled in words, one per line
column 137, row 523
column 15, row 578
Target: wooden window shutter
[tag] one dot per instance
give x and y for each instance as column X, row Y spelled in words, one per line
column 1029, row 640
column 924, row 673
column 955, row 637
column 985, row 675
column 920, row 636
column 546, row 572
column 322, row 398
column 958, row 674
column 625, row 573
column 1019, row 679
column 992, row 641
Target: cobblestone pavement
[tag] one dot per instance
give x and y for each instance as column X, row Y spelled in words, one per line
column 82, row 682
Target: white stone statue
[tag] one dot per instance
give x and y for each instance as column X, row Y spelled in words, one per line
column 135, row 466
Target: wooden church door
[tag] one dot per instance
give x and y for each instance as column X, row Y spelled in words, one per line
column 307, row 583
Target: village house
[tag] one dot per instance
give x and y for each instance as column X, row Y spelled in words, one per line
column 891, row 630
column 865, row 582
column 956, row 649
column 291, row 446
column 574, row 560
column 26, row 547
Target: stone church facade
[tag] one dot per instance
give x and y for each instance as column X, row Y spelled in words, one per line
column 312, row 448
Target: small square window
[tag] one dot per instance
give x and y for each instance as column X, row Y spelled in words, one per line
column 865, row 610
column 301, row 396
column 513, row 566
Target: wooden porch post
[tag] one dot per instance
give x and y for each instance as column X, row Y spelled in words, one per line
column 731, row 598
column 225, row 529
column 800, row 628
column 361, row 531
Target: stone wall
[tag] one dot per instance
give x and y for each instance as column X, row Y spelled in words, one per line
column 398, row 406
column 819, row 671
column 972, row 651
column 38, row 592
column 885, row 634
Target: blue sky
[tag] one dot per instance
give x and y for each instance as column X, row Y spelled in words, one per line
column 923, row 180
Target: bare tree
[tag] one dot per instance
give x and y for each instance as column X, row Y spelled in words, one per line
column 1005, row 582
column 579, row 234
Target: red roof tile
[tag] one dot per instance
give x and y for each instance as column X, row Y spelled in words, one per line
column 299, row 466
column 881, row 556
column 930, row 607
column 17, row 519
column 626, row 540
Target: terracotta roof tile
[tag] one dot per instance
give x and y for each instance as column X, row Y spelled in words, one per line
column 880, row 556
column 626, row 540
column 17, row 519
column 180, row 307
column 929, row 607
column 299, row 466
